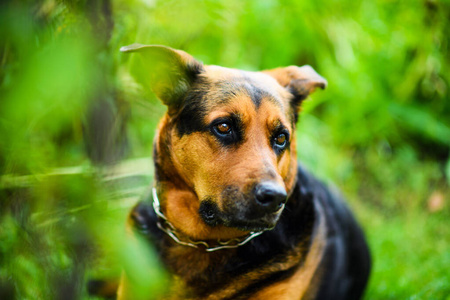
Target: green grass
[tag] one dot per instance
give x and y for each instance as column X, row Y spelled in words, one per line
column 411, row 256
column 70, row 172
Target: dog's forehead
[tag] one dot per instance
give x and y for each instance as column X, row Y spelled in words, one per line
column 226, row 83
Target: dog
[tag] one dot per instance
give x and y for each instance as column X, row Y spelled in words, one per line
column 232, row 214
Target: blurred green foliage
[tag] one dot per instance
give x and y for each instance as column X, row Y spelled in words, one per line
column 76, row 130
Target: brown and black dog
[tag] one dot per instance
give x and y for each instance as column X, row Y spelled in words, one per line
column 232, row 215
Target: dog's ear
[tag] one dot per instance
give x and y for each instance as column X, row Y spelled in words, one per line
column 167, row 71
column 300, row 81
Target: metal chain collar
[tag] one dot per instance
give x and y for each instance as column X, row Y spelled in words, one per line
column 170, row 230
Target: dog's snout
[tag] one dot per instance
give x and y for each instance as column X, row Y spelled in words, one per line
column 270, row 195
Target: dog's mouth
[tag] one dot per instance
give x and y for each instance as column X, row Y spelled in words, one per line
column 267, row 222
column 239, row 217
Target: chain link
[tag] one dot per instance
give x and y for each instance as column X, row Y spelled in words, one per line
column 170, row 230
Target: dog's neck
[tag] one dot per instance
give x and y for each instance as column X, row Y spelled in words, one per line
column 204, row 270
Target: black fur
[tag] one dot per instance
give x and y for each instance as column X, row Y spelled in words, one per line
column 209, row 212
column 190, row 116
column 264, row 281
column 298, row 95
column 256, row 94
column 240, row 86
column 346, row 264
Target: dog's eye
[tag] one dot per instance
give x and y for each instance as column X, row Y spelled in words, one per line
column 280, row 139
column 228, row 131
column 223, row 128
column 280, row 142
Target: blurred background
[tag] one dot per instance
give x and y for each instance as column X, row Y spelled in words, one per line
column 76, row 128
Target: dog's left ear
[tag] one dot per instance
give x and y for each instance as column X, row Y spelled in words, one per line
column 168, row 72
column 300, row 81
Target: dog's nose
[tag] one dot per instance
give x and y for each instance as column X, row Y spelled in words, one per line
column 270, row 195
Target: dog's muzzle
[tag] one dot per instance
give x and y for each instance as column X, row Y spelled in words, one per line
column 259, row 209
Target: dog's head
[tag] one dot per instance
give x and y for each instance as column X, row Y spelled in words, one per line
column 227, row 139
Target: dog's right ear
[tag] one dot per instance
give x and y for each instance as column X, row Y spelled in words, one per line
column 299, row 81
column 167, row 71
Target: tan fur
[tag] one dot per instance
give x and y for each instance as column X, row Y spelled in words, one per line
column 310, row 79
